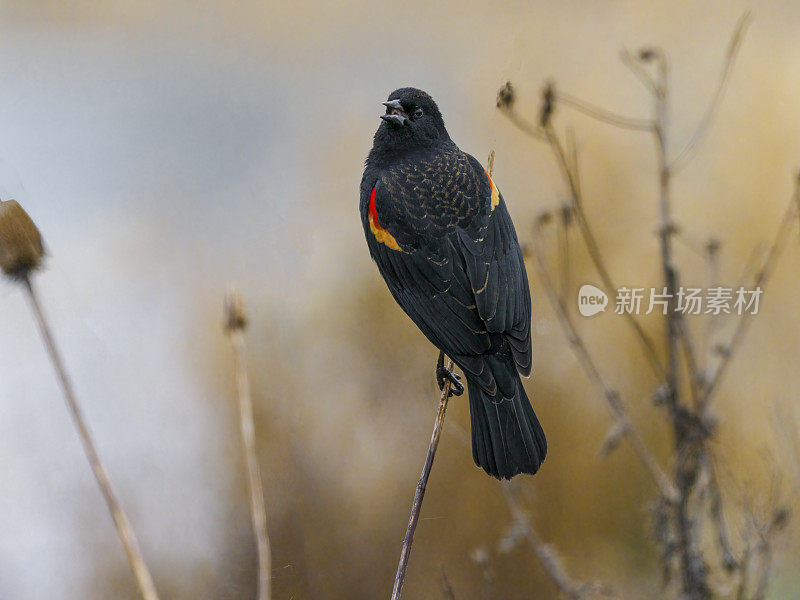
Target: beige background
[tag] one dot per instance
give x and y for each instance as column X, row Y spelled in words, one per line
column 166, row 150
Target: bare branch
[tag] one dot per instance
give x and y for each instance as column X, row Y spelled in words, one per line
column 684, row 156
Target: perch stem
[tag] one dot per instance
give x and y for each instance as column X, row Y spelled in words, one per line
column 121, row 522
column 419, row 494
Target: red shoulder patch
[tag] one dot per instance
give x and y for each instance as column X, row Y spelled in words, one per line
column 381, row 234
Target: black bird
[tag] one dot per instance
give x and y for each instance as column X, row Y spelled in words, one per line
column 440, row 232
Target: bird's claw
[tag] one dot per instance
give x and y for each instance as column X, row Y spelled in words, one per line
column 443, row 375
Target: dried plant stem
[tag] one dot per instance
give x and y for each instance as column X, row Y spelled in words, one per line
column 684, row 156
column 603, row 115
column 729, row 561
column 535, row 131
column 257, row 506
column 572, row 179
column 544, row 553
column 419, row 494
column 611, row 396
column 121, row 522
column 694, row 584
column 444, row 585
column 761, row 278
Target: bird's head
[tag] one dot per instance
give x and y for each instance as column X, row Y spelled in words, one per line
column 412, row 120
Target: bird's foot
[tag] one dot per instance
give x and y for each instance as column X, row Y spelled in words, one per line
column 443, row 375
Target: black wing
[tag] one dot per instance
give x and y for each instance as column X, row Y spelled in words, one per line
column 452, row 260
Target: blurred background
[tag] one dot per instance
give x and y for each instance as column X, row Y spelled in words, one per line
column 167, row 150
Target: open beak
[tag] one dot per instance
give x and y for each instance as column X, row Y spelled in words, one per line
column 395, row 115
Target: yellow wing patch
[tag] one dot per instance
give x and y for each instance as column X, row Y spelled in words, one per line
column 495, row 191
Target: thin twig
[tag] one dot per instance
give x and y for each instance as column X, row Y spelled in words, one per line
column 766, row 547
column 684, row 156
column 235, row 326
column 712, row 250
column 551, row 565
column 638, row 70
column 419, row 494
column 535, row 131
column 121, row 522
column 444, row 585
column 563, row 227
column 729, row 561
column 546, row 555
column 744, row 573
column 603, row 115
column 611, row 396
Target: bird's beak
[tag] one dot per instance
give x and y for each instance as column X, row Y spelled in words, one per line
column 395, row 115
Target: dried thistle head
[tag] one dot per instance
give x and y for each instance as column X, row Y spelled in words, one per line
column 21, row 248
column 506, row 97
column 235, row 315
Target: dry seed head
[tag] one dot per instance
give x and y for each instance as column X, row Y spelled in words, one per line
column 647, row 54
column 21, row 249
column 506, row 96
column 548, row 103
column 544, row 218
column 235, row 315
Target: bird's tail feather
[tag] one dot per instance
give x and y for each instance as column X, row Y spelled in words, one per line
column 507, row 438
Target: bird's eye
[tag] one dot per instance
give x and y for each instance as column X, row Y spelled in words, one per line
column 418, row 113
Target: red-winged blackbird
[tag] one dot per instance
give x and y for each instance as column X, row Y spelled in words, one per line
column 440, row 232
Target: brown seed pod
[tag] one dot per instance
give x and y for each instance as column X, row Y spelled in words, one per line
column 21, row 249
column 235, row 315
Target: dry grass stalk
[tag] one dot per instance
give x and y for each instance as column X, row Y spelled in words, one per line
column 235, row 325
